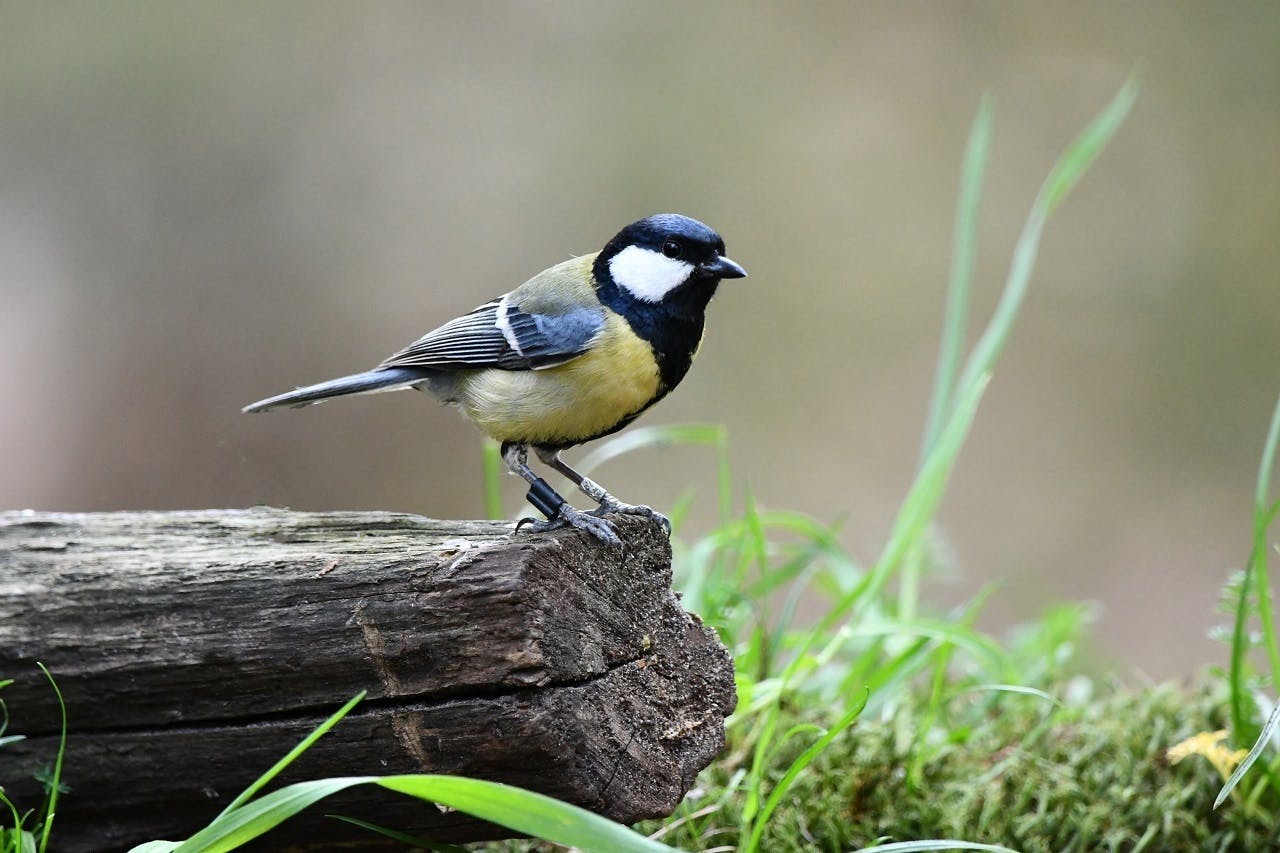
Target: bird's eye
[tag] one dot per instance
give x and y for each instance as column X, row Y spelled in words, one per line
column 672, row 249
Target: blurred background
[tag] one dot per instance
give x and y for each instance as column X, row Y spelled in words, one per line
column 204, row 204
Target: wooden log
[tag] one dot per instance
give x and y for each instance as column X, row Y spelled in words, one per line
column 195, row 648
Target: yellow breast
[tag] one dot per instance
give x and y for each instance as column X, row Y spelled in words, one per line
column 574, row 402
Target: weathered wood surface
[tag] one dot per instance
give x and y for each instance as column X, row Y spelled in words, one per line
column 195, row 648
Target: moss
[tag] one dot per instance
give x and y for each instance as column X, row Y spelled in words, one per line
column 1092, row 777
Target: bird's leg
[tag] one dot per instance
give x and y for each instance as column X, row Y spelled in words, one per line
column 608, row 503
column 545, row 499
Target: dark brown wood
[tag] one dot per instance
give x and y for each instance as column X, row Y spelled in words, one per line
column 195, row 648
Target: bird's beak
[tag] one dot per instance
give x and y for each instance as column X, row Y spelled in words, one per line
column 722, row 267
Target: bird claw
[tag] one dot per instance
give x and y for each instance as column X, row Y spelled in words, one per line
column 570, row 516
column 612, row 505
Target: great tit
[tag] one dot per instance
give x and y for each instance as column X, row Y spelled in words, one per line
column 575, row 353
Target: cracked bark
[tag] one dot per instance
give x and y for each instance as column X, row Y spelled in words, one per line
column 196, row 648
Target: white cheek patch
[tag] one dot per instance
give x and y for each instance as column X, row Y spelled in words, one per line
column 648, row 275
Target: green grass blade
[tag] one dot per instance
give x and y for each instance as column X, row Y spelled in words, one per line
column 765, row 744
column 960, row 285
column 1260, row 744
column 13, row 812
column 302, row 747
column 653, row 436
column 879, row 673
column 916, row 509
column 525, row 811
column 55, row 785
column 679, row 509
column 933, row 710
column 234, row 828
column 1263, row 487
column 909, row 579
column 1016, row 688
column 492, row 468
column 156, row 847
column 1080, row 155
column 1266, row 619
column 787, row 612
column 694, row 578
column 926, row 492
column 1263, row 514
column 4, row 711
column 1066, row 172
column 797, row 767
column 16, row 839
column 1254, row 587
column 756, row 540
column 940, row 844
column 981, row 647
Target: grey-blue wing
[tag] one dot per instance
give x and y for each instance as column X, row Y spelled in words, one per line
column 499, row 334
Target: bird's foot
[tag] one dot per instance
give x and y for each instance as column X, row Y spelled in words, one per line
column 570, row 516
column 610, row 504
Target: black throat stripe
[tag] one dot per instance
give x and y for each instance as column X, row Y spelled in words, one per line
column 673, row 327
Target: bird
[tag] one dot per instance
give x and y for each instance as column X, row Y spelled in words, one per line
column 575, row 353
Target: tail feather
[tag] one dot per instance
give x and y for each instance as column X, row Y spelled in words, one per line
column 387, row 379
